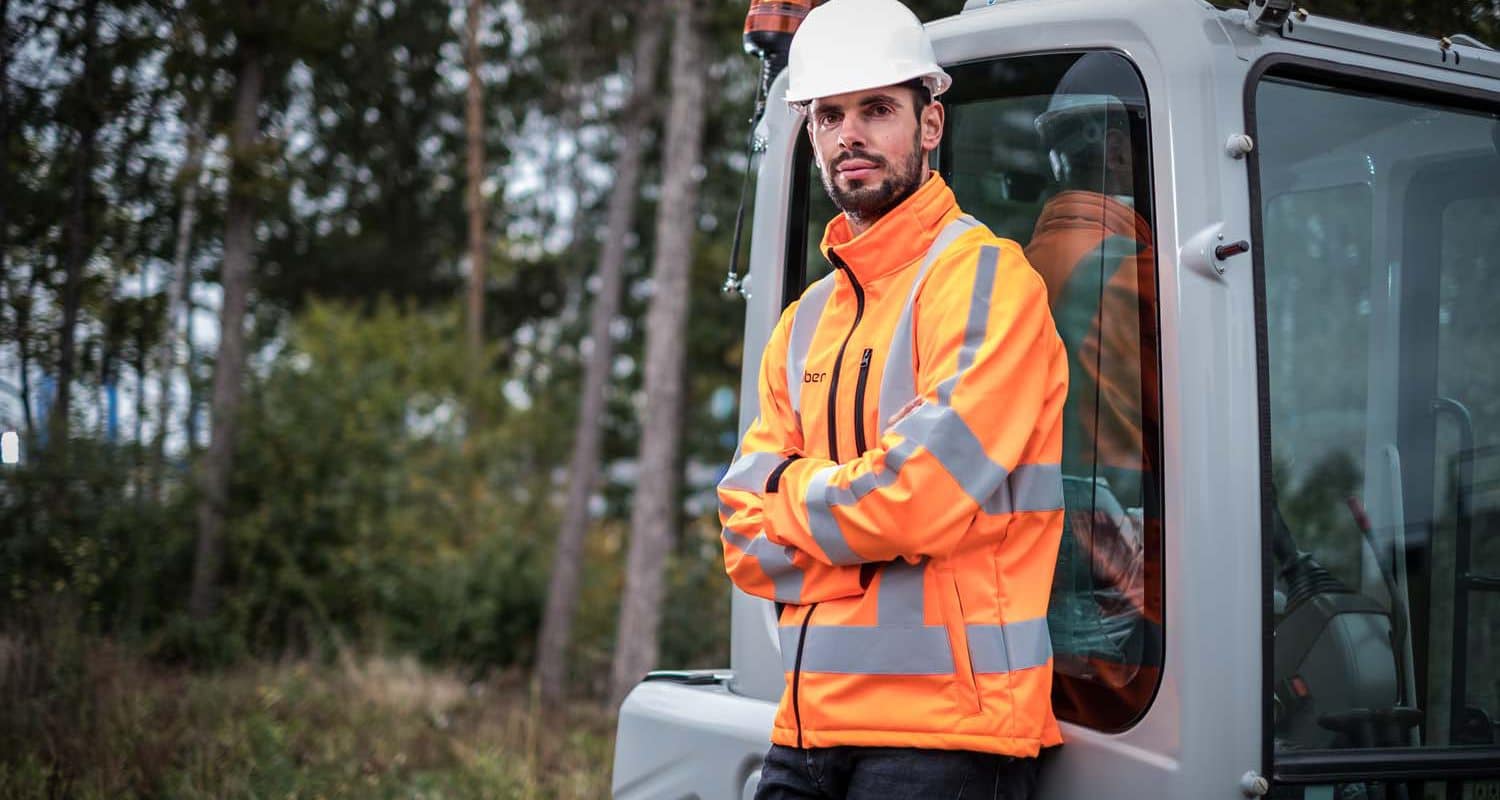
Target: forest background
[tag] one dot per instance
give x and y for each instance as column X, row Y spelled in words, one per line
column 369, row 377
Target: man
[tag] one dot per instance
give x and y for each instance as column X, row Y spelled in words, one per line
column 1093, row 248
column 900, row 494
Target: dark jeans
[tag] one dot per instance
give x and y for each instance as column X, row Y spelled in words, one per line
column 893, row 773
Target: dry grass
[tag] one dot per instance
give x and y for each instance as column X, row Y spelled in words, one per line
column 89, row 719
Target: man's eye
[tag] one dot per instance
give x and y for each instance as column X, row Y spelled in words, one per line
column 828, row 119
column 879, row 110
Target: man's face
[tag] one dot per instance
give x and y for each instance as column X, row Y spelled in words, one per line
column 872, row 148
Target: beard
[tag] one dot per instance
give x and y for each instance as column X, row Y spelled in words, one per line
column 865, row 203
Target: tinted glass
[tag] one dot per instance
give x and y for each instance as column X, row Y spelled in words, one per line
column 1381, row 264
column 1053, row 151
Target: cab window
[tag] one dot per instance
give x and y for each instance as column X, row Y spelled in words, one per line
column 1053, row 152
column 1379, row 262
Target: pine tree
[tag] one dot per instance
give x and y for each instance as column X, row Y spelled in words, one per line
column 567, row 563
column 655, row 512
column 239, row 262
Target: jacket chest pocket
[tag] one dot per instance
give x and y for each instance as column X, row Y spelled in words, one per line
column 861, row 443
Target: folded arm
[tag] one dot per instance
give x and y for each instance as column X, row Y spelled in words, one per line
column 756, row 563
column 991, row 374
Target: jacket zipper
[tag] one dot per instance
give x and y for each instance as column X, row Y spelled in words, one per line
column 859, row 401
column 833, row 382
column 797, row 672
column 833, row 454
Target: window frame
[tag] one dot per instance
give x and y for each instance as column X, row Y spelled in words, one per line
column 794, row 282
column 794, row 261
column 1326, row 766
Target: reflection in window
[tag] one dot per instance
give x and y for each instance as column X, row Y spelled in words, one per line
column 1321, row 242
column 1053, row 152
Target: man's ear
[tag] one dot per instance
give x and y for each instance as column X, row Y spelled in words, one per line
column 812, row 140
column 931, row 122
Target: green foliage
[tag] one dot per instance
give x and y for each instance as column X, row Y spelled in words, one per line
column 99, row 549
column 363, row 511
column 695, row 616
column 364, row 508
column 695, row 613
column 377, row 164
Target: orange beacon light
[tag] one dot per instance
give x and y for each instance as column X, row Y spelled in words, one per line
column 769, row 26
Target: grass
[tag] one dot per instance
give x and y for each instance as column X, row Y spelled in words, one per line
column 90, row 719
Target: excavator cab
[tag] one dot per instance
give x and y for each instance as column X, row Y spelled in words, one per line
column 1271, row 242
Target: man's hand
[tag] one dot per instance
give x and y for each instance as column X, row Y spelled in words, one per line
column 905, row 411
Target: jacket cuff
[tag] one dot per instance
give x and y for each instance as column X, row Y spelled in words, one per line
column 785, row 510
column 773, row 481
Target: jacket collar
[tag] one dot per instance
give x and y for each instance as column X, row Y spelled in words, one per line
column 897, row 239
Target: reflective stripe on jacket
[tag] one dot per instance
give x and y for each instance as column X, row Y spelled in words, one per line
column 914, row 563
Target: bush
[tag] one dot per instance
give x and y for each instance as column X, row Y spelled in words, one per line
column 81, row 530
column 363, row 511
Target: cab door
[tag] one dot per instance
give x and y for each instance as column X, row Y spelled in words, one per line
column 1378, row 197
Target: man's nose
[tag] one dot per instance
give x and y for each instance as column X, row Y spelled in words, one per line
column 851, row 133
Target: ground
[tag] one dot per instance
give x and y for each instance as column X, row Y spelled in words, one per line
column 111, row 724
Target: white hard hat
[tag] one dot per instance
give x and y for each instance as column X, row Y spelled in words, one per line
column 852, row 45
column 1096, row 83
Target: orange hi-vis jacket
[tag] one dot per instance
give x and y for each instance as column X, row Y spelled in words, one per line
column 1076, row 231
column 912, row 565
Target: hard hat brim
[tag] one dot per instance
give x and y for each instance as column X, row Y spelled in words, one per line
column 936, row 79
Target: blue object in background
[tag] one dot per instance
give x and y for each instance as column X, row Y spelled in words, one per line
column 111, row 412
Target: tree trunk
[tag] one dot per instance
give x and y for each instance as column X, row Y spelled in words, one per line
column 5, row 35
column 567, row 561
column 654, row 517
column 20, row 306
column 177, row 291
column 23, row 347
column 76, row 238
column 138, row 431
column 239, row 233
column 190, row 374
column 474, row 115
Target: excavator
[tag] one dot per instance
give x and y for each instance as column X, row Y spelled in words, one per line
column 1280, row 566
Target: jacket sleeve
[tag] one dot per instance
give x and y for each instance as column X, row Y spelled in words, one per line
column 755, row 563
column 992, row 377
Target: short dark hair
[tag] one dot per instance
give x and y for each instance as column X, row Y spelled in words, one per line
column 921, row 95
